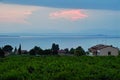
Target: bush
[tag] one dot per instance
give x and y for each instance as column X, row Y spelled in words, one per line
column 60, row 68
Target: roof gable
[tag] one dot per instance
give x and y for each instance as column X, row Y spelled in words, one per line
column 99, row 47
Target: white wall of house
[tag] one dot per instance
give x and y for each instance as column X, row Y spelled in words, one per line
column 108, row 51
column 90, row 54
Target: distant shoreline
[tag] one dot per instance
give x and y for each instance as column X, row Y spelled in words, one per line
column 55, row 36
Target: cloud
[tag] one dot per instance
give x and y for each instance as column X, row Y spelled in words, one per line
column 68, row 14
column 15, row 13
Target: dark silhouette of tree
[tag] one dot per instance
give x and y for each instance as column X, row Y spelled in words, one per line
column 7, row 48
column 55, row 48
column 19, row 50
column 66, row 50
column 72, row 50
column 79, row 51
column 15, row 50
column 47, row 52
column 24, row 52
column 32, row 52
column 2, row 54
column 36, row 50
column 119, row 53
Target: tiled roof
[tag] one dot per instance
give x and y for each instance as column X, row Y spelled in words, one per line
column 100, row 46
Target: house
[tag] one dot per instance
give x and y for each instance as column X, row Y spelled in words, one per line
column 103, row 50
column 24, row 51
column 7, row 53
column 61, row 52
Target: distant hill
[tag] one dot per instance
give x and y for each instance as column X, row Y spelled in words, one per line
column 8, row 36
column 62, row 35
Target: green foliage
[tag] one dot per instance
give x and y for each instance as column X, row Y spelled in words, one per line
column 15, row 51
column 72, row 50
column 8, row 48
column 47, row 52
column 67, row 50
column 60, row 68
column 19, row 50
column 36, row 50
column 32, row 52
column 79, row 51
column 55, row 48
column 119, row 53
column 2, row 54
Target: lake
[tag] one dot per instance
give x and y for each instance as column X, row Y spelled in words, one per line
column 45, row 42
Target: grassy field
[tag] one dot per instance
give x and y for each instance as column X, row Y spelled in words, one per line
column 60, row 68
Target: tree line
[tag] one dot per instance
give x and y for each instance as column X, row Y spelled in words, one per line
column 36, row 50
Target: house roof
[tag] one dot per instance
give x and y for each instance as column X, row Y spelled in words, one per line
column 99, row 47
column 61, row 51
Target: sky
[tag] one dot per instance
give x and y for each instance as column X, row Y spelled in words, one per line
column 63, row 16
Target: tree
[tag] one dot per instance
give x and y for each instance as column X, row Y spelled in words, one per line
column 7, row 48
column 72, row 50
column 79, row 51
column 15, row 50
column 47, row 52
column 66, row 50
column 19, row 49
column 2, row 54
column 55, row 48
column 36, row 50
column 32, row 52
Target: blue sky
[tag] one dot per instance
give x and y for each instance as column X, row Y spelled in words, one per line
column 63, row 16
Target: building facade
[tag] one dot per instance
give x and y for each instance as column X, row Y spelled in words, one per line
column 103, row 50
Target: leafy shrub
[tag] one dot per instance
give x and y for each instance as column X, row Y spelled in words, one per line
column 60, row 68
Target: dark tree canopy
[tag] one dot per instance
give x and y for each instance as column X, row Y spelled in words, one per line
column 32, row 52
column 66, row 50
column 72, row 50
column 36, row 50
column 7, row 48
column 2, row 54
column 19, row 49
column 79, row 51
column 47, row 52
column 15, row 50
column 55, row 48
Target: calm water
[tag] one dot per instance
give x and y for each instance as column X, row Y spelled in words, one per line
column 64, row 42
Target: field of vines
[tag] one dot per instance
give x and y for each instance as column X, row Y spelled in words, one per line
column 60, row 68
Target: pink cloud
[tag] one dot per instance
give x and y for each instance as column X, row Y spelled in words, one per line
column 15, row 13
column 68, row 14
column 14, row 16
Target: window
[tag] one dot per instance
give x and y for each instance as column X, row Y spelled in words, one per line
column 109, row 53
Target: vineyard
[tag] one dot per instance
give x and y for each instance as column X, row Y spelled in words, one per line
column 60, row 68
